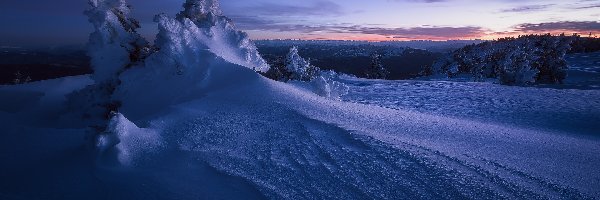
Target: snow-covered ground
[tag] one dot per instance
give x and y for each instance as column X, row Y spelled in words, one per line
column 584, row 70
column 257, row 138
column 571, row 111
column 571, row 108
column 188, row 123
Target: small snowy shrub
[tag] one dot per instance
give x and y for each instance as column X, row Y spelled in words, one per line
column 376, row 70
column 298, row 68
column 517, row 69
column 327, row 85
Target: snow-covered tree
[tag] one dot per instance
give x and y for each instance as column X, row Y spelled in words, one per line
column 551, row 52
column 516, row 68
column 511, row 60
column 298, row 68
column 222, row 37
column 376, row 70
column 277, row 71
column 113, row 47
column 18, row 77
column 204, row 13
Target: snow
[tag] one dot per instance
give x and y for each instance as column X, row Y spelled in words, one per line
column 221, row 35
column 298, row 66
column 128, row 141
column 263, row 138
column 568, row 110
column 193, row 124
column 584, row 71
column 114, row 39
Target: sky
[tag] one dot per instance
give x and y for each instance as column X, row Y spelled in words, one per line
column 61, row 22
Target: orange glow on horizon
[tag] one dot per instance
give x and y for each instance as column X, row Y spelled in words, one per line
column 487, row 36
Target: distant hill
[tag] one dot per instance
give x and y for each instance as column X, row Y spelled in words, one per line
column 21, row 65
column 354, row 57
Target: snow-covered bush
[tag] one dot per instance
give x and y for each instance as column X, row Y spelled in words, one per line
column 294, row 68
column 517, row 69
column 551, row 53
column 277, row 71
column 526, row 59
column 328, row 85
column 298, row 68
column 376, row 70
column 20, row 78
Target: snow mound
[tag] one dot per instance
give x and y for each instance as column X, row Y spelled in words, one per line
column 127, row 141
column 328, row 85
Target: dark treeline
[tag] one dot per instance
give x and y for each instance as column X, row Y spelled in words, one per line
column 585, row 44
column 401, row 63
column 18, row 65
column 23, row 65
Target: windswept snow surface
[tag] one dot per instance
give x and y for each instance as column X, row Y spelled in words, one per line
column 571, row 111
column 584, row 70
column 254, row 138
column 571, row 108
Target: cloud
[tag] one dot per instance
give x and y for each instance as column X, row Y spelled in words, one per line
column 590, row 6
column 314, row 8
column 261, row 24
column 425, row 32
column 422, row 1
column 574, row 26
column 529, row 8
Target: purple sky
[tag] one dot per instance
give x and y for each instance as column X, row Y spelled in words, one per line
column 62, row 22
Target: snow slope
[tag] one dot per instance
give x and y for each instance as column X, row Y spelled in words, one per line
column 255, row 138
column 584, row 70
column 571, row 108
column 571, row 111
